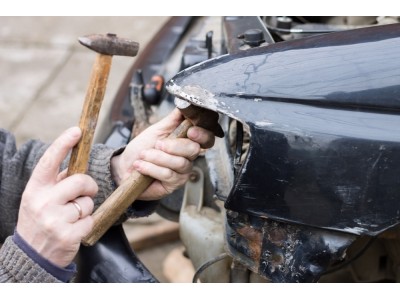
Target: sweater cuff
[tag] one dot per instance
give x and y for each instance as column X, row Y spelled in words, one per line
column 17, row 266
column 100, row 170
column 141, row 208
column 62, row 274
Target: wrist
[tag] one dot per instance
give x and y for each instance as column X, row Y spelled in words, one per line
column 64, row 274
column 114, row 168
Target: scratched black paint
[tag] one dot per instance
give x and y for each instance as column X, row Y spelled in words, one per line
column 323, row 114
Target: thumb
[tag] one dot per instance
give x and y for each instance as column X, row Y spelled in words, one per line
column 49, row 164
column 170, row 122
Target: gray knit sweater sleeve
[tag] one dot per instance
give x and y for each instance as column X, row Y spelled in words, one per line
column 16, row 266
column 15, row 169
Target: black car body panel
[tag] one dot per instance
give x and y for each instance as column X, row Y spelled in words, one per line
column 323, row 115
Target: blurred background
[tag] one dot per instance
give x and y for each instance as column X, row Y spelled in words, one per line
column 44, row 74
column 45, row 71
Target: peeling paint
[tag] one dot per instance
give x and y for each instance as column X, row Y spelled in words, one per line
column 263, row 123
column 355, row 230
column 194, row 94
column 333, row 149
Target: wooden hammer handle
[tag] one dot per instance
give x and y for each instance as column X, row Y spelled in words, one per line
column 119, row 201
column 94, row 97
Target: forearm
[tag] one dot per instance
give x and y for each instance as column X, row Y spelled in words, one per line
column 17, row 266
column 16, row 169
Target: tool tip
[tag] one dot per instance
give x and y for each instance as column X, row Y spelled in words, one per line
column 84, row 40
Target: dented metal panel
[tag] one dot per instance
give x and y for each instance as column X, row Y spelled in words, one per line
column 282, row 252
column 323, row 116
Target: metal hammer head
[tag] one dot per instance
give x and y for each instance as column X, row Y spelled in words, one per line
column 200, row 116
column 110, row 44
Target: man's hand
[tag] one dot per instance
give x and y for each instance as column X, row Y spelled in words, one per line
column 48, row 220
column 169, row 161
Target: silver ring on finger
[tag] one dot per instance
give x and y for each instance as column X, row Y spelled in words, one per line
column 78, row 207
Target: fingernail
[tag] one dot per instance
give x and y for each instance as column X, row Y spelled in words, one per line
column 74, row 131
column 193, row 133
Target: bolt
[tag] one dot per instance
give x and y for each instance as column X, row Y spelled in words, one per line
column 194, row 176
column 284, row 22
column 254, row 37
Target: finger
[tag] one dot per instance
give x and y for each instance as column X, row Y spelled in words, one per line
column 73, row 187
column 161, row 129
column 62, row 175
column 78, row 209
column 82, row 228
column 204, row 137
column 165, row 126
column 160, row 158
column 157, row 190
column 160, row 173
column 179, row 147
column 48, row 167
column 170, row 122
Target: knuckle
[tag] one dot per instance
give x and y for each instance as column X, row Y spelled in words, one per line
column 79, row 179
column 178, row 181
column 38, row 210
column 169, row 174
column 85, row 184
column 182, row 164
column 49, row 227
column 195, row 151
column 87, row 225
column 183, row 179
column 144, row 154
column 93, row 185
column 89, row 203
column 166, row 145
column 46, row 161
column 90, row 223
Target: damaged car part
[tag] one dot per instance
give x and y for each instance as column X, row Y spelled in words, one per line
column 307, row 165
column 323, row 140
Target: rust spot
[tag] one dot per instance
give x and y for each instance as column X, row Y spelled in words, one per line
column 276, row 259
column 277, row 236
column 254, row 238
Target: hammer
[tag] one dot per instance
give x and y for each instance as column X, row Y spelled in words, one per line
column 119, row 201
column 106, row 46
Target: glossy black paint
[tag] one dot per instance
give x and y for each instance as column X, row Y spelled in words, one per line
column 111, row 259
column 323, row 114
